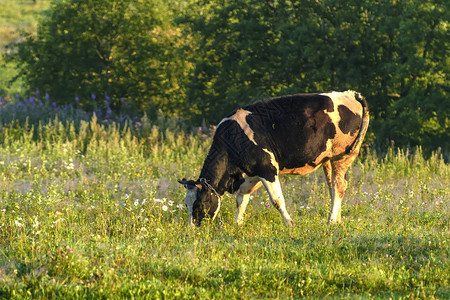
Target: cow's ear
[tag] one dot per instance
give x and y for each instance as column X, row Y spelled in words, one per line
column 183, row 182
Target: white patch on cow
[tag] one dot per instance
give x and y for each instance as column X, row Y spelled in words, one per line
column 347, row 99
column 191, row 196
column 335, row 215
column 240, row 117
column 272, row 159
column 277, row 198
column 250, row 185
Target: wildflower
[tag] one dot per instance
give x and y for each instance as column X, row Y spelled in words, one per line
column 93, row 97
column 268, row 204
column 165, row 208
column 47, row 96
column 158, row 229
column 18, row 222
column 77, row 99
column 136, row 202
column 170, row 203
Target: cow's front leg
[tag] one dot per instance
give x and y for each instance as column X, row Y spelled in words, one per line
column 277, row 198
column 250, row 185
column 241, row 203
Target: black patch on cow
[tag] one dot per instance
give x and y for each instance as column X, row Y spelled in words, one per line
column 350, row 122
column 242, row 154
column 295, row 128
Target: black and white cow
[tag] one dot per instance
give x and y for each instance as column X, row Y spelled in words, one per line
column 294, row 134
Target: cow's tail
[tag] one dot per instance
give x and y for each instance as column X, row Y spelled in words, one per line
column 356, row 145
column 364, row 124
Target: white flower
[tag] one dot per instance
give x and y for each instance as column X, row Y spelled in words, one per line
column 165, row 208
column 158, row 229
column 170, row 203
column 17, row 222
column 136, row 202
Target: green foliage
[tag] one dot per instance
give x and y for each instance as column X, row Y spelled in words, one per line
column 121, row 50
column 97, row 213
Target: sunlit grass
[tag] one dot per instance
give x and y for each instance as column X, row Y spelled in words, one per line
column 92, row 210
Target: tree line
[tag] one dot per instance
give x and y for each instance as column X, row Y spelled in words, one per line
column 201, row 59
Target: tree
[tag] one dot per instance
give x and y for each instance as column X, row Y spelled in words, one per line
column 124, row 51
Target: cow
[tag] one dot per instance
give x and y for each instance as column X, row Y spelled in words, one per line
column 294, row 134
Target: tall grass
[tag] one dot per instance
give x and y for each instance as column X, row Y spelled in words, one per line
column 92, row 209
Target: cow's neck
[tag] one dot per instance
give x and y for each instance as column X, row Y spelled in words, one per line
column 216, row 171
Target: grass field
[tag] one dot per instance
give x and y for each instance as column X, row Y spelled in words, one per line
column 92, row 209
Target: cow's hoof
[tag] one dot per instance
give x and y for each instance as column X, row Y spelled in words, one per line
column 290, row 223
column 334, row 222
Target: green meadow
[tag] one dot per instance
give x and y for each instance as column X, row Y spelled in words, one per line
column 91, row 209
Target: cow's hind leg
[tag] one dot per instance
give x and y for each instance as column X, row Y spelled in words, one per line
column 335, row 213
column 250, row 185
column 277, row 198
column 335, row 173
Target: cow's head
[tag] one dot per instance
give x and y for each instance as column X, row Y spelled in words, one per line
column 201, row 201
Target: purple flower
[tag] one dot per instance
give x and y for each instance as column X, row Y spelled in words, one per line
column 93, row 97
column 77, row 99
column 268, row 204
column 47, row 96
column 37, row 92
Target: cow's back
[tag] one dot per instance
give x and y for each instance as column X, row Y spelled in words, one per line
column 301, row 131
